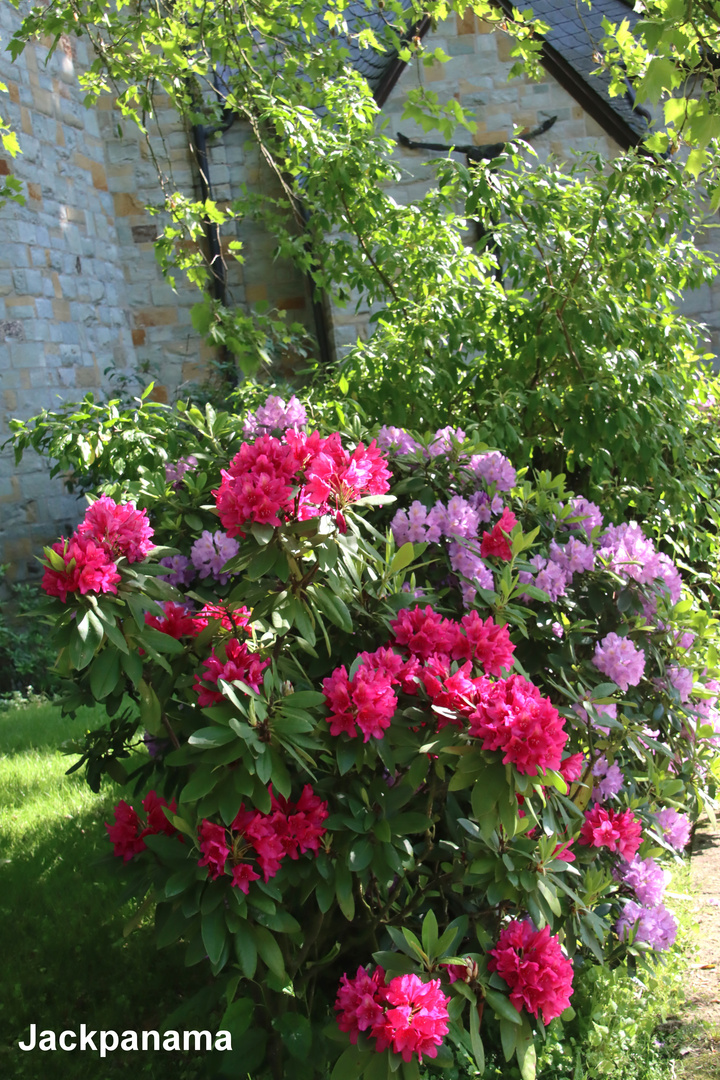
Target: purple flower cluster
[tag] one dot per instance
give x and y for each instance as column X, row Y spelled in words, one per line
column 174, row 473
column 495, row 469
column 467, row 563
column 275, row 415
column 588, row 511
column 182, row 570
column 628, row 552
column 612, row 779
column 654, row 926
column 211, row 551
column 556, row 572
column 443, row 441
column 645, row 877
column 397, row 440
column 675, row 827
column 680, row 678
column 620, row 660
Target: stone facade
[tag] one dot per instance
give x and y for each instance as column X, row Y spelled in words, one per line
column 81, row 294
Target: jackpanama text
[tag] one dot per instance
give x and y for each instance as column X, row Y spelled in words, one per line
column 108, row 1041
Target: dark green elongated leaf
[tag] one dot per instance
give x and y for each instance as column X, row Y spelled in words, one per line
column 475, row 1041
column 150, row 710
column 502, row 1006
column 430, row 933
column 269, row 951
column 333, row 607
column 262, row 563
column 508, row 1035
column 85, row 640
column 105, row 673
column 361, row 854
column 211, row 736
column 303, row 699
column 246, row 950
column 163, row 643
column 525, row 1050
column 379, row 1067
column 214, row 933
column 344, row 891
column 199, row 784
column 351, row 1064
column 133, row 667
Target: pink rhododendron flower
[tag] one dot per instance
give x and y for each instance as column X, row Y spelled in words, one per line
column 485, row 643
column 176, row 622
column 415, row 1018
column 257, row 486
column 212, row 841
column 157, row 822
column 119, row 528
column 230, row 617
column 87, row 569
column 512, row 716
column 533, row 965
column 425, row 632
column 367, row 700
column 617, row 831
column 495, row 543
column 454, row 693
column 360, row 1002
column 124, row 835
column 128, row 834
column 240, row 664
column 620, row 660
column 333, row 475
column 571, row 768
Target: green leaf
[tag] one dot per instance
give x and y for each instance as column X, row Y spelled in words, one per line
column 502, row 1006
column 476, row 1042
column 214, row 932
column 351, row 1064
column 402, row 558
column 296, row 1034
column 508, row 1036
column 344, row 891
column 199, row 784
column 105, row 673
column 430, row 933
column 333, row 607
column 525, row 1050
column 269, row 951
column 246, row 950
column 211, row 736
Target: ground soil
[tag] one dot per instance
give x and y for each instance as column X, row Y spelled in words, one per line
column 700, row 1057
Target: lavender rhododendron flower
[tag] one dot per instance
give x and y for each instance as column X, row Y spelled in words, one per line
column 397, row 440
column 443, row 441
column 654, row 926
column 620, row 660
column 495, row 469
column 645, row 877
column 674, row 827
column 211, row 551
column 174, row 473
column 612, row 779
column 275, row 415
column 182, row 570
column 590, row 513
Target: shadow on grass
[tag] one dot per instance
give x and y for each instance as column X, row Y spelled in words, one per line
column 65, row 961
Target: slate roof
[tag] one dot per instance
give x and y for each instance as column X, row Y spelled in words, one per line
column 568, row 54
column 575, row 29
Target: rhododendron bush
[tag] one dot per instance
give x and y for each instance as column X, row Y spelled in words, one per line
column 420, row 737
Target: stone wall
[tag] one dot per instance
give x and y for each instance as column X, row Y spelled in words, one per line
column 82, row 298
column 476, row 75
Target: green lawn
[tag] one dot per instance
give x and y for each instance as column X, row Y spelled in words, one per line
column 64, row 958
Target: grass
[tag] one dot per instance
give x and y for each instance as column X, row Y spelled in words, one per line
column 65, row 960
